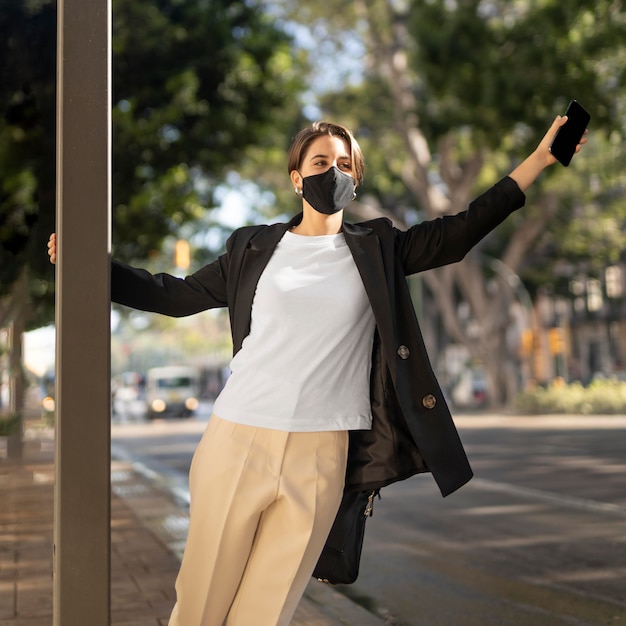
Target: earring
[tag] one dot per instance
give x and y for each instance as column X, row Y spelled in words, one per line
column 298, row 191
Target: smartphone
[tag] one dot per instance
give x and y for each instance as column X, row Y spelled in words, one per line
column 567, row 138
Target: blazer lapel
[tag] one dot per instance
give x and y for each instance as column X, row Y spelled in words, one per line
column 256, row 256
column 368, row 257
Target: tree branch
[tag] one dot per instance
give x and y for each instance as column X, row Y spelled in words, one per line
column 528, row 232
column 388, row 39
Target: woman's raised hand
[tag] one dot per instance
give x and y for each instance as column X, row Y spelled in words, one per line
column 52, row 248
column 528, row 170
column 544, row 146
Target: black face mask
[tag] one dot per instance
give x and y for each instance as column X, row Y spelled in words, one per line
column 329, row 192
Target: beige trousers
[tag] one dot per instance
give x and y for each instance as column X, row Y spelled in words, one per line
column 262, row 505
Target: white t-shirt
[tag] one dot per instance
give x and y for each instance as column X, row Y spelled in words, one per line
column 305, row 366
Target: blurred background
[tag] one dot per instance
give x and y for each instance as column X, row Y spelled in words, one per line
column 445, row 97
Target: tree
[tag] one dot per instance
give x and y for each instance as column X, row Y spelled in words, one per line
column 194, row 84
column 27, row 155
column 452, row 93
column 27, row 158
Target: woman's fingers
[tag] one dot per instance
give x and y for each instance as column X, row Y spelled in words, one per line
column 52, row 248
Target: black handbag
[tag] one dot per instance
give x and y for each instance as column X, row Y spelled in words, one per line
column 341, row 556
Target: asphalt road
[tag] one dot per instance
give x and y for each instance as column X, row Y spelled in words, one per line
column 538, row 537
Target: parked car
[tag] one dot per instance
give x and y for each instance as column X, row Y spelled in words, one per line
column 172, row 391
column 470, row 389
column 128, row 398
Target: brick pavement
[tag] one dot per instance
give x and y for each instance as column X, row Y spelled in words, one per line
column 147, row 535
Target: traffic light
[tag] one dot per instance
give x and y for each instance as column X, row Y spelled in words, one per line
column 556, row 341
column 527, row 342
column 182, row 255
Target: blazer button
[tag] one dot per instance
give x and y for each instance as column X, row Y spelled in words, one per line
column 429, row 401
column 403, row 352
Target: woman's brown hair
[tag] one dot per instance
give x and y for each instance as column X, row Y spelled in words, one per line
column 303, row 139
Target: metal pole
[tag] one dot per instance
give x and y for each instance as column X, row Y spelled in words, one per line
column 81, row 591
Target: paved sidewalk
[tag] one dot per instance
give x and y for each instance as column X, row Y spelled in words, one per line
column 148, row 529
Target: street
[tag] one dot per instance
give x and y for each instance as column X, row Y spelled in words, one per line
column 538, row 537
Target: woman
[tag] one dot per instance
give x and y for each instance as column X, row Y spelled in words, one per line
column 331, row 386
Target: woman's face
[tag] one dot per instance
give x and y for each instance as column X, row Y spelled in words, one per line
column 323, row 153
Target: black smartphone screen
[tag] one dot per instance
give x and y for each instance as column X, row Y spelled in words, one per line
column 567, row 138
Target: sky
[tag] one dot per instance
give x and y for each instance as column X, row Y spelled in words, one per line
column 39, row 349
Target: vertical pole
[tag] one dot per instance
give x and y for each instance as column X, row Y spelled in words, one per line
column 81, row 590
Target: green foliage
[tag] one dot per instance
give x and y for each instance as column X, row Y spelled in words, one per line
column 195, row 84
column 492, row 66
column 482, row 75
column 490, row 76
column 597, row 234
column 588, row 232
column 27, row 148
column 10, row 424
column 607, row 396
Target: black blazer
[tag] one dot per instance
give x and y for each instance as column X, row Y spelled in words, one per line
column 412, row 428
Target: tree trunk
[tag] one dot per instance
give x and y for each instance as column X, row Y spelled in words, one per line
column 16, row 369
column 489, row 300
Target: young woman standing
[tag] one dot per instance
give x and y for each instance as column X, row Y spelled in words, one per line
column 331, row 387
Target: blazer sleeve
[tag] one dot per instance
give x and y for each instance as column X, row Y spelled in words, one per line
column 449, row 238
column 167, row 294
